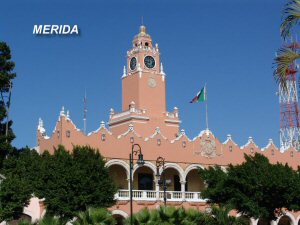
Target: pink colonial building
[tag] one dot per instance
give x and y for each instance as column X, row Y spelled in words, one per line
column 145, row 120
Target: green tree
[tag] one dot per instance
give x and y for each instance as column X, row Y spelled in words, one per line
column 73, row 182
column 21, row 170
column 255, row 188
column 14, row 195
column 6, row 77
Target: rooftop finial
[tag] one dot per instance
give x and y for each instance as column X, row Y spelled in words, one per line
column 41, row 124
column 41, row 128
column 62, row 112
column 124, row 72
column 143, row 29
column 102, row 124
column 162, row 69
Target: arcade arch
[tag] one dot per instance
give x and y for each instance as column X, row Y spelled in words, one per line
column 143, row 177
column 118, row 171
column 193, row 180
column 119, row 216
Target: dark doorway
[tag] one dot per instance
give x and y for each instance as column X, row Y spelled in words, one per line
column 177, row 186
column 145, row 181
column 119, row 219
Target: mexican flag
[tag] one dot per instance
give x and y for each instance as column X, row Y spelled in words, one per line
column 201, row 96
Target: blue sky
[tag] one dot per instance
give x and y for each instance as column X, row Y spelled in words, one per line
column 230, row 46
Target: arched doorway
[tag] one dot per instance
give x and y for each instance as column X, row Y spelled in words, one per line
column 172, row 178
column 194, row 182
column 119, row 219
column 284, row 220
column 119, row 175
column 263, row 222
column 143, row 179
column 119, row 216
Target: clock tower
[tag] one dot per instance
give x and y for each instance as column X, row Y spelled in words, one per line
column 144, row 82
column 144, row 92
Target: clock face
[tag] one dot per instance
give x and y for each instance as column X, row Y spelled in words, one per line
column 149, row 61
column 151, row 82
column 133, row 63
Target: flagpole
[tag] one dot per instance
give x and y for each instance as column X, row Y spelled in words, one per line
column 84, row 112
column 205, row 95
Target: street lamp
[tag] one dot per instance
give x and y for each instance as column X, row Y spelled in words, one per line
column 140, row 161
column 160, row 162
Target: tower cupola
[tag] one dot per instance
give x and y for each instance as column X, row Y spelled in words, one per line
column 142, row 38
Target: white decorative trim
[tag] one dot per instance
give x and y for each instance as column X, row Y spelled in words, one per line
column 206, row 131
column 270, row 143
column 102, row 127
column 130, row 130
column 128, row 122
column 250, row 141
column 157, row 132
column 128, row 118
column 181, row 135
column 172, row 121
column 172, row 125
column 229, row 138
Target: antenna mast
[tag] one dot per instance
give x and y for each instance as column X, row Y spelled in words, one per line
column 289, row 108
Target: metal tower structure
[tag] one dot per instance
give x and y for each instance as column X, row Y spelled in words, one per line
column 289, row 108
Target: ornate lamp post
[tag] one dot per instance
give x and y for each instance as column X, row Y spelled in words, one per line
column 135, row 149
column 160, row 162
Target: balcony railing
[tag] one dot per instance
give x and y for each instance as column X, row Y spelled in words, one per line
column 153, row 195
column 131, row 111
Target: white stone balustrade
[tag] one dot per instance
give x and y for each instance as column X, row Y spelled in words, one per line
column 152, row 195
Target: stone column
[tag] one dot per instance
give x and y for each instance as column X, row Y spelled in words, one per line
column 128, row 186
column 183, row 189
column 156, row 188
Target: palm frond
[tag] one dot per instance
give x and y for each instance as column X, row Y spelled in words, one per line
column 285, row 57
column 292, row 15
